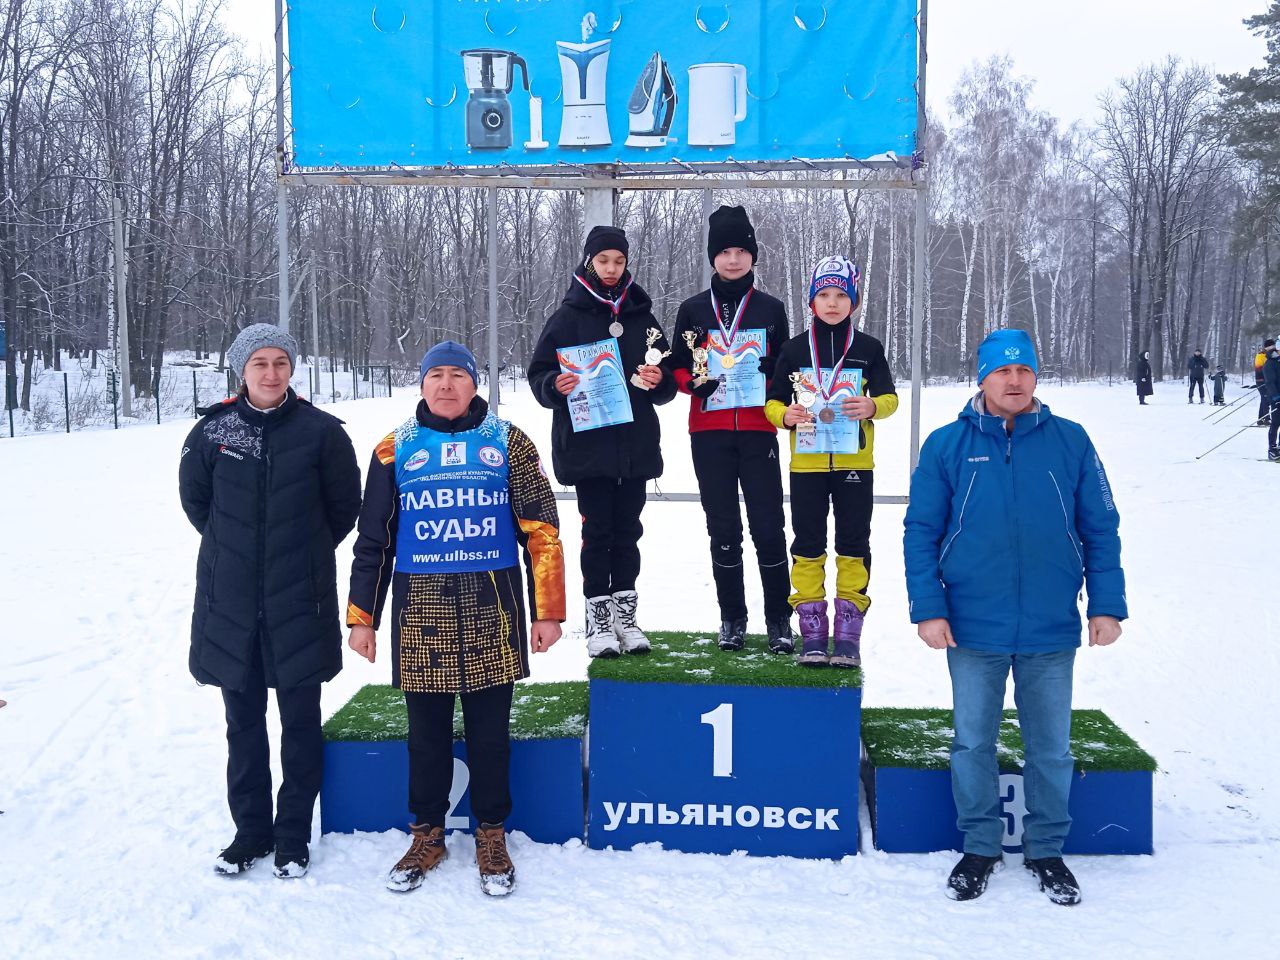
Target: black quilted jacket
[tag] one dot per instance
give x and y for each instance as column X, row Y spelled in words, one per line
column 272, row 494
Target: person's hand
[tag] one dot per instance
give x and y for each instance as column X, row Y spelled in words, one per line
column 936, row 633
column 1103, row 631
column 650, row 375
column 543, row 635
column 796, row 414
column 858, row 408
column 364, row 641
column 767, row 363
column 705, row 390
column 566, row 382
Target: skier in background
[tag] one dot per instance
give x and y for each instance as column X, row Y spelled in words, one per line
column 1271, row 394
column 1264, row 404
column 1197, row 367
column 1219, row 379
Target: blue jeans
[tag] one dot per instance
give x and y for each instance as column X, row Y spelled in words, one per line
column 1042, row 693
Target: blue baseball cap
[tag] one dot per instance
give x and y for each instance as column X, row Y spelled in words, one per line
column 1004, row 348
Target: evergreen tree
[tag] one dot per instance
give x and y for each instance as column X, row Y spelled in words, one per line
column 1250, row 119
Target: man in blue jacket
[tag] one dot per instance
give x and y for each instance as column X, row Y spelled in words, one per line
column 1010, row 515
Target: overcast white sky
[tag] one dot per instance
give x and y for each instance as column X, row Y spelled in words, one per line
column 1074, row 49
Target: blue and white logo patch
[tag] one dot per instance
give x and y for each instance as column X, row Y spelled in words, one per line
column 491, row 456
column 453, row 453
column 417, row 461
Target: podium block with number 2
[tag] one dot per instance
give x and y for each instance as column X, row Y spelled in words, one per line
column 768, row 770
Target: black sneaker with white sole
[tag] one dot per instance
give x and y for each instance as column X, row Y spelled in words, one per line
column 292, row 861
column 969, row 877
column 240, row 856
column 1056, row 879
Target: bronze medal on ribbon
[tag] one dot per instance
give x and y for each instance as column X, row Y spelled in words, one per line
column 827, row 415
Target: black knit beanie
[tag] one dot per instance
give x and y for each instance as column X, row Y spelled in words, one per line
column 605, row 238
column 730, row 227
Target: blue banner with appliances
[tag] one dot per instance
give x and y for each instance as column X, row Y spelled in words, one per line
column 538, row 82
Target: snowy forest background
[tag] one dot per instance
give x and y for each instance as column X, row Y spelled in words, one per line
column 1148, row 228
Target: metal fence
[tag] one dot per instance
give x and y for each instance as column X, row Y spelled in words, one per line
column 84, row 397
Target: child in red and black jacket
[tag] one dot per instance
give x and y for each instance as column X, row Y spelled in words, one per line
column 736, row 447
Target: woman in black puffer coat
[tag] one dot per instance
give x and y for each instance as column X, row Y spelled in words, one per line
column 608, row 466
column 272, row 486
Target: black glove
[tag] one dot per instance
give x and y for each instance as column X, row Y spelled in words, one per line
column 705, row 390
column 767, row 363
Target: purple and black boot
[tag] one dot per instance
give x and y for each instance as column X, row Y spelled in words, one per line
column 848, row 635
column 814, row 632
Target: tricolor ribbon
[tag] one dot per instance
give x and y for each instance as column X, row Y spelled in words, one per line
column 727, row 336
column 827, row 388
column 615, row 306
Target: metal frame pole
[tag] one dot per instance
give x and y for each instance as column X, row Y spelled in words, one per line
column 921, row 245
column 282, row 191
column 492, row 205
column 597, row 208
column 708, row 207
column 315, row 329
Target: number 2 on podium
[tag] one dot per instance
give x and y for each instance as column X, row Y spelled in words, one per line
column 720, row 720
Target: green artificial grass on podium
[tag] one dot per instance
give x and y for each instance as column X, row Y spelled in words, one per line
column 694, row 658
column 539, row 711
column 920, row 739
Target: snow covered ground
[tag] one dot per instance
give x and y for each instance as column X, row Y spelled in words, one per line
column 111, row 757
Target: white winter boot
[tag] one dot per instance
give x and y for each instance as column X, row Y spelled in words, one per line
column 601, row 641
column 630, row 637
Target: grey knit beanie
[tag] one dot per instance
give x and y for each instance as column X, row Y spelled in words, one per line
column 253, row 338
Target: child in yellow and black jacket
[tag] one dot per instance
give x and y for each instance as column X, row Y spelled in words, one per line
column 838, row 481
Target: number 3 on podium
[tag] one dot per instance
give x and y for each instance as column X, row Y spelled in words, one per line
column 720, row 720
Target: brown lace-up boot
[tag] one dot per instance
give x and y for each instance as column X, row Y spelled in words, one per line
column 497, row 872
column 426, row 852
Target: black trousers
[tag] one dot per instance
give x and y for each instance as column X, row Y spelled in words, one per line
column 249, row 759
column 847, row 493
column 611, row 533
column 1264, row 405
column 486, row 717
column 724, row 461
column 1191, row 387
column 1274, row 427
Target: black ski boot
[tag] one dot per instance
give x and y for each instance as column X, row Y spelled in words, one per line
column 1273, row 455
column 781, row 640
column 969, row 877
column 240, row 856
column 733, row 634
column 292, row 860
column 1056, row 880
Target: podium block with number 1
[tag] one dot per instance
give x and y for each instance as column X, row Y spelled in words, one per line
column 713, row 767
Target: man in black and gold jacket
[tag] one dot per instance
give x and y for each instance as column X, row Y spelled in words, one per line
column 453, row 497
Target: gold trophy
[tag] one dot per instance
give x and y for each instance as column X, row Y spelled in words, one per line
column 699, row 359
column 652, row 356
column 806, row 398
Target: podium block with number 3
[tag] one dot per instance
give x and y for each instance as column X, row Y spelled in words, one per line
column 701, row 768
